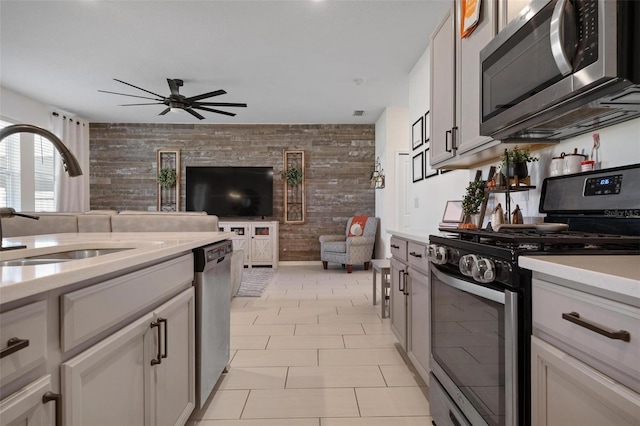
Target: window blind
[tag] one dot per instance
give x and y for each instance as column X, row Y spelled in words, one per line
column 10, row 170
column 44, row 174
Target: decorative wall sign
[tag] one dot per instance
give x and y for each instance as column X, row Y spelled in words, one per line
column 427, row 127
column 418, row 167
column 168, row 198
column 294, row 180
column 417, row 133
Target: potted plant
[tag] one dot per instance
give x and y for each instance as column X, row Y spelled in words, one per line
column 471, row 203
column 517, row 160
column 293, row 175
column 167, row 178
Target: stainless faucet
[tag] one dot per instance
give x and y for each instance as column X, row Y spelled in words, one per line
column 71, row 166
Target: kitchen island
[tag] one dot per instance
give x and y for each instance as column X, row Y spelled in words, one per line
column 81, row 337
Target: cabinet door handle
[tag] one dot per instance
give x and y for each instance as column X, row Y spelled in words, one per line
column 414, row 254
column 395, row 246
column 454, row 138
column 14, row 345
column 57, row 399
column 446, row 140
column 401, row 280
column 166, row 335
column 406, row 288
column 574, row 317
column 158, row 358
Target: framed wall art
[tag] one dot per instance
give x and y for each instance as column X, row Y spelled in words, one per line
column 427, row 127
column 417, row 133
column 418, row 167
column 428, row 171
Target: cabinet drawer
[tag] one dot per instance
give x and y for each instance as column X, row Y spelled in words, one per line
column 551, row 301
column 28, row 323
column 92, row 310
column 418, row 256
column 399, row 248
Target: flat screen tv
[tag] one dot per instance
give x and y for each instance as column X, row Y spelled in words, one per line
column 230, row 191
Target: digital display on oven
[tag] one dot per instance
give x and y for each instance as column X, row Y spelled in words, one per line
column 603, row 185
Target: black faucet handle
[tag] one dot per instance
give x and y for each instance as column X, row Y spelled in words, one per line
column 28, row 216
column 7, row 212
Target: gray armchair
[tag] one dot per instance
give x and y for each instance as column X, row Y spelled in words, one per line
column 349, row 250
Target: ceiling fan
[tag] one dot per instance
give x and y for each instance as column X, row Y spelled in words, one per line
column 176, row 101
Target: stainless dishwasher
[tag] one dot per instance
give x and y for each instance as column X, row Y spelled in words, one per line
column 213, row 305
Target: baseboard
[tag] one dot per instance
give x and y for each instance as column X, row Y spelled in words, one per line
column 299, row 262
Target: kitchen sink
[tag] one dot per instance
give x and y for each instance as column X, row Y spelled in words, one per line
column 62, row 256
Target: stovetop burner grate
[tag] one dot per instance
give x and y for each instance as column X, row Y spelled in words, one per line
column 535, row 240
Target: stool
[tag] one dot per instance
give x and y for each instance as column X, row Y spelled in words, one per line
column 383, row 266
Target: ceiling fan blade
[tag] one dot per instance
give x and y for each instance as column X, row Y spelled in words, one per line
column 206, row 95
column 165, row 111
column 133, row 96
column 215, row 110
column 195, row 114
column 148, row 103
column 139, row 88
column 173, row 86
column 225, row 104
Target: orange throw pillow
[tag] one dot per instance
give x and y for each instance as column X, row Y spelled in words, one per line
column 357, row 226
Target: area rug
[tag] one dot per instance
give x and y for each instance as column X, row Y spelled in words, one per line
column 254, row 281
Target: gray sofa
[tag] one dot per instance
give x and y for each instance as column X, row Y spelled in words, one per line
column 124, row 221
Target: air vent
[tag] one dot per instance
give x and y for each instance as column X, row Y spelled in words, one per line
column 358, row 113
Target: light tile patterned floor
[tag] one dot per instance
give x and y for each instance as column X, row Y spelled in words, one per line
column 313, row 351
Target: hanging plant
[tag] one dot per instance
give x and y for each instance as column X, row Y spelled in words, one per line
column 293, row 175
column 167, row 178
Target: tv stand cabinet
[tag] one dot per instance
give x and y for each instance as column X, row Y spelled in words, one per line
column 257, row 238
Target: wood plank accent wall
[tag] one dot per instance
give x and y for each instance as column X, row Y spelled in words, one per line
column 339, row 161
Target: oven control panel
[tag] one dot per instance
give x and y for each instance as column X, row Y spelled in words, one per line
column 602, row 185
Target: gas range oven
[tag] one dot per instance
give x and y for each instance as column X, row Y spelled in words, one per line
column 481, row 298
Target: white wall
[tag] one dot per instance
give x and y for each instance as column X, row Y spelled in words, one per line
column 17, row 108
column 391, row 136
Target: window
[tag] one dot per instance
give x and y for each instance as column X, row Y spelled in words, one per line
column 25, row 186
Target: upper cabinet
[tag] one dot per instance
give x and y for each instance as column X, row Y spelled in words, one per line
column 455, row 85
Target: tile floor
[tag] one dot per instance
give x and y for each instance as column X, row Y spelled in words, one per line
column 313, row 351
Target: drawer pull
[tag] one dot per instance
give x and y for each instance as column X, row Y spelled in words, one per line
column 14, row 345
column 574, row 317
column 414, row 254
column 158, row 359
column 395, row 246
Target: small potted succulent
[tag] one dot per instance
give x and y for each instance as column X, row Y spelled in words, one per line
column 167, row 178
column 517, row 162
column 471, row 203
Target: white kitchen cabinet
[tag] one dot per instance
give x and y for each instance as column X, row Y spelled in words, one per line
column 565, row 391
column 258, row 240
column 146, row 370
column 420, row 317
column 455, row 90
column 585, row 361
column 443, row 86
column 508, row 10
column 26, row 407
column 398, row 301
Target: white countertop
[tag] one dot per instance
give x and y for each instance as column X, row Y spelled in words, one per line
column 614, row 276
column 413, row 237
column 17, row 282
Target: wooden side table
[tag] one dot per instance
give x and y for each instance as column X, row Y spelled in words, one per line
column 383, row 266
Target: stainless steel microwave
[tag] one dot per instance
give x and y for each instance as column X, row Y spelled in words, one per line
column 562, row 68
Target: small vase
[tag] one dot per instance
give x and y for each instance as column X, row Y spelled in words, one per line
column 518, row 169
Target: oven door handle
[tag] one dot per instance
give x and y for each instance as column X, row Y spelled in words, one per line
column 476, row 289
